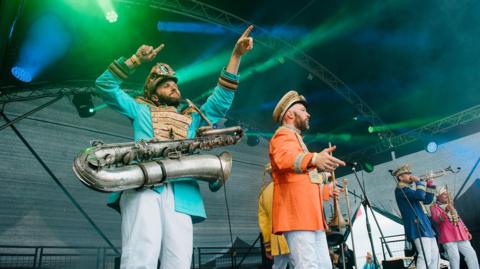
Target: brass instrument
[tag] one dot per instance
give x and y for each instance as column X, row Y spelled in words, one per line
column 345, row 189
column 337, row 222
column 131, row 165
column 453, row 212
column 438, row 174
column 455, row 217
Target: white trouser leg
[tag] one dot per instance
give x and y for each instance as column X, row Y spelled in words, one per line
column 431, row 254
column 177, row 239
column 280, row 261
column 302, row 249
column 453, row 254
column 469, row 253
column 323, row 255
column 151, row 228
column 435, row 262
column 141, row 229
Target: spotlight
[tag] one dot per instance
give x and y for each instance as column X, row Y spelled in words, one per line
column 253, row 140
column 368, row 167
column 111, row 16
column 371, row 129
column 84, row 105
column 46, row 41
column 431, row 147
column 21, row 74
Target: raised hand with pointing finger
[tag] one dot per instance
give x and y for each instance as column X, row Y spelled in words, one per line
column 244, row 45
column 159, row 115
column 147, row 53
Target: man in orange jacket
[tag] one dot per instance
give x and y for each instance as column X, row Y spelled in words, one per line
column 300, row 185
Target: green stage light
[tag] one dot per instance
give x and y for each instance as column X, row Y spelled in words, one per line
column 368, row 167
column 111, row 16
column 371, row 129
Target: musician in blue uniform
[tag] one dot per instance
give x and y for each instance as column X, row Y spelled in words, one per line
column 411, row 195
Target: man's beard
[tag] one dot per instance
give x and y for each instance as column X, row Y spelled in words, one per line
column 168, row 100
column 302, row 125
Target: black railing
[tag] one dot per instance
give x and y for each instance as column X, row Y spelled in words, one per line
column 106, row 258
column 56, row 257
column 394, row 239
column 221, row 257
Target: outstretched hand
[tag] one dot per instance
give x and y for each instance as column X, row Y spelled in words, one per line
column 147, row 53
column 326, row 162
column 244, row 43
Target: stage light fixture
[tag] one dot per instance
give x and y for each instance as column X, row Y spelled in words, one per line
column 83, row 104
column 21, row 74
column 368, row 167
column 46, row 41
column 431, row 147
column 111, row 16
column 371, row 129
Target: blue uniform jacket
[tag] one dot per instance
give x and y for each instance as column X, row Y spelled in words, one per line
column 187, row 195
column 415, row 196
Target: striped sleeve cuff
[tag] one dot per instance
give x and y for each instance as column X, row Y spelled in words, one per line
column 420, row 186
column 228, row 80
column 302, row 160
column 120, row 69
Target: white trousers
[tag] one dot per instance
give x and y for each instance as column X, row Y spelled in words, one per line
column 432, row 253
column 152, row 229
column 455, row 248
column 281, row 261
column 308, row 249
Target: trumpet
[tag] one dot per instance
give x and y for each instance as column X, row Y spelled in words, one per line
column 454, row 212
column 438, row 174
column 337, row 222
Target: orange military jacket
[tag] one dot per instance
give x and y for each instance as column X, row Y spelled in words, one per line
column 297, row 201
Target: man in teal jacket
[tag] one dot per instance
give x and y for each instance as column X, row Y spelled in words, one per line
column 157, row 223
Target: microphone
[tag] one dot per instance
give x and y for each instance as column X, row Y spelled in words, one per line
column 391, row 172
column 352, row 164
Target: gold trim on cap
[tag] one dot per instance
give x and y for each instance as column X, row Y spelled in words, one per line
column 404, row 169
column 285, row 103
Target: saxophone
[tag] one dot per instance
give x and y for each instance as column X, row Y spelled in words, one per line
column 123, row 166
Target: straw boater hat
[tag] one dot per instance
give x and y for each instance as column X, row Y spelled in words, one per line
column 441, row 190
column 287, row 101
column 404, row 169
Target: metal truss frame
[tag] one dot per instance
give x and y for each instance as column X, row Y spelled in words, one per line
column 18, row 93
column 436, row 127
column 210, row 14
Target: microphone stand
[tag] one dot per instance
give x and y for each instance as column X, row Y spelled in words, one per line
column 417, row 220
column 366, row 203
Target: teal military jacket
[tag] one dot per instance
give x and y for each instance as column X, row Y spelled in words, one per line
column 187, row 195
